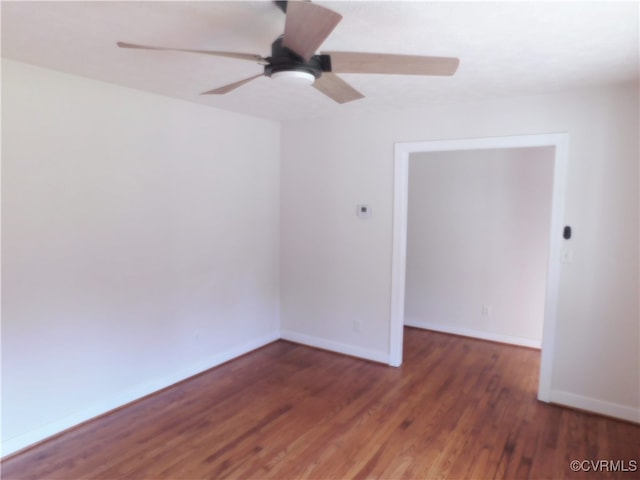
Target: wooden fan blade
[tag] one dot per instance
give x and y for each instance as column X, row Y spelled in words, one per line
column 355, row 62
column 231, row 86
column 307, row 26
column 241, row 56
column 336, row 88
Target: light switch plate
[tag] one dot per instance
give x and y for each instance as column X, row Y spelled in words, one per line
column 566, row 255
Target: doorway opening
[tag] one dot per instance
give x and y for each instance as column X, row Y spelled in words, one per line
column 403, row 151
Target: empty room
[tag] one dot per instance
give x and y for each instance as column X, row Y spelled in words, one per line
column 330, row 240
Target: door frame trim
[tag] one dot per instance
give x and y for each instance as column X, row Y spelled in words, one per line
column 402, row 153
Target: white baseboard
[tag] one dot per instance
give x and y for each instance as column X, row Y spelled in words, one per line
column 494, row 337
column 594, row 405
column 317, row 342
column 17, row 443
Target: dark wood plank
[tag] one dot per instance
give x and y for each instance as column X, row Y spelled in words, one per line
column 457, row 408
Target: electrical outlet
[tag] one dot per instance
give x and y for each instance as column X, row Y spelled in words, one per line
column 357, row 326
column 486, row 310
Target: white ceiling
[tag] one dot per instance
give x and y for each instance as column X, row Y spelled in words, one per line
column 505, row 48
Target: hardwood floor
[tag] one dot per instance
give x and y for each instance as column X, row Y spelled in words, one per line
column 457, row 408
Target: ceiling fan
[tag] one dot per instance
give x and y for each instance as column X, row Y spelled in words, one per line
column 293, row 56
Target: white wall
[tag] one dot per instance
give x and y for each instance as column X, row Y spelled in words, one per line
column 478, row 242
column 140, row 245
column 336, row 268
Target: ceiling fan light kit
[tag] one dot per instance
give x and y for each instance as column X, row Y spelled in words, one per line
column 293, row 58
column 294, row 77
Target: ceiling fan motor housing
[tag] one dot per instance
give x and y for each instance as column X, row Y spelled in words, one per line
column 284, row 60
